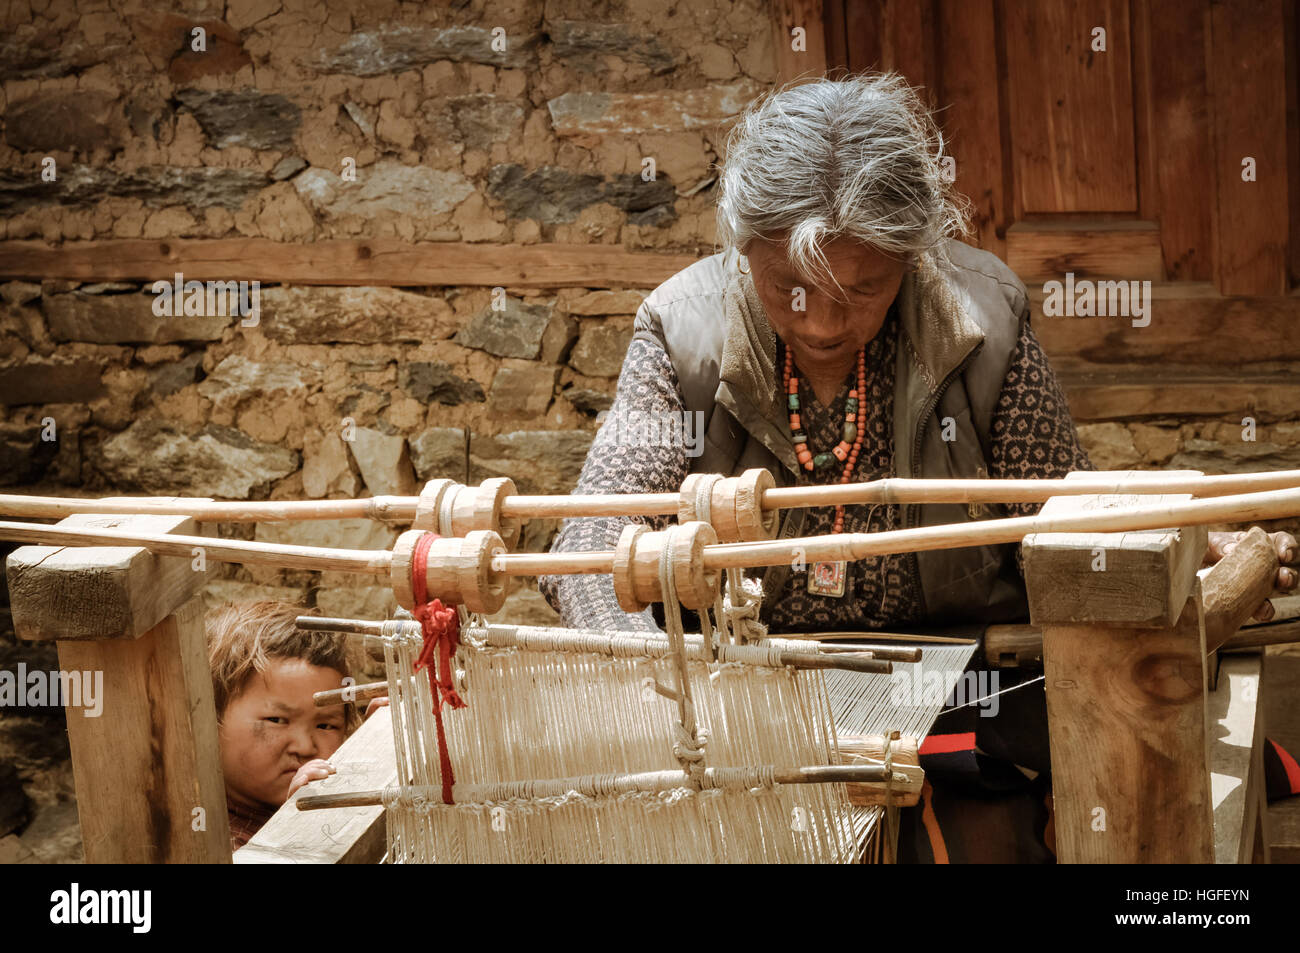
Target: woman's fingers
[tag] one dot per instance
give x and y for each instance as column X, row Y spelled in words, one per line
column 1287, row 548
column 1265, row 612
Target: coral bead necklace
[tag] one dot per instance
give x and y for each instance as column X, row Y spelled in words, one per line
column 850, row 445
column 827, row 578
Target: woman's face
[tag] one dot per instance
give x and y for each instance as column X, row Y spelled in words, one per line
column 826, row 334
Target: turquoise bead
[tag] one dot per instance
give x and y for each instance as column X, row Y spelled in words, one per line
column 850, row 405
column 794, row 402
column 823, row 460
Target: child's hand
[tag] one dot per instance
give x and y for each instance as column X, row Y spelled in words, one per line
column 313, row 770
column 376, row 704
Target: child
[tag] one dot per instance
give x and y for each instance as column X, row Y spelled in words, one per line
column 273, row 738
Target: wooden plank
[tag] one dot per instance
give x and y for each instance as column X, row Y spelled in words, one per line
column 1236, row 740
column 1180, row 143
column 1126, row 719
column 862, row 28
column 1133, row 392
column 1144, row 134
column 377, row 261
column 52, row 589
column 1247, row 78
column 972, row 119
column 1048, row 249
column 910, row 37
column 792, row 64
column 1071, row 108
column 1191, row 324
column 346, row 835
column 149, row 765
column 1292, row 47
column 1111, row 579
column 837, row 41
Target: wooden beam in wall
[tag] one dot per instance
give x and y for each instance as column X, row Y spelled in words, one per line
column 361, row 262
column 1132, row 392
column 1119, row 249
column 1191, row 324
column 1247, row 80
column 809, row 62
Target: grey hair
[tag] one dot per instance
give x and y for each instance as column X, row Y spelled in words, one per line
column 859, row 158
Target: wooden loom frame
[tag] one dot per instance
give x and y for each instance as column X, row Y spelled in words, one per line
column 146, row 768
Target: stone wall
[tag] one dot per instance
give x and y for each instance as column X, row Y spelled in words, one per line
column 253, row 137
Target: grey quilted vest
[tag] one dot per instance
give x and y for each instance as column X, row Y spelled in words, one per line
column 959, row 322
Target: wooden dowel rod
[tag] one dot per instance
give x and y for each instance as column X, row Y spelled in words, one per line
column 318, row 802
column 1272, row 504
column 519, row 506
column 1246, row 507
column 395, row 508
column 591, row 504
column 1013, row 646
column 1266, row 633
column 843, row 663
column 813, row 774
column 902, row 490
column 894, row 653
column 843, row 658
column 353, row 693
column 315, row 623
column 284, row 556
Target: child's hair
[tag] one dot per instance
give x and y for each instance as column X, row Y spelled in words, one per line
column 243, row 637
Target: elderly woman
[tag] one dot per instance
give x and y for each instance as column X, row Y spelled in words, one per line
column 844, row 336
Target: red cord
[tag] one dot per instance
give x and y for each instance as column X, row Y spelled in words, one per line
column 441, row 627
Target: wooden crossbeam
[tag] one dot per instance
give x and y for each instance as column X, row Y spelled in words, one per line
column 378, row 261
column 1119, row 249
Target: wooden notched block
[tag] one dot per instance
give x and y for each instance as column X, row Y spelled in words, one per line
column 1126, row 712
column 1137, row 578
column 148, row 773
column 100, row 592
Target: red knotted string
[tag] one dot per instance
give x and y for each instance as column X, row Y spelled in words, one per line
column 441, row 626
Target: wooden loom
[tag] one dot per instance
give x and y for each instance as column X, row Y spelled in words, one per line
column 147, row 638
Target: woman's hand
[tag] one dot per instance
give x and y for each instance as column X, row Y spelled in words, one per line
column 315, row 770
column 375, row 705
column 1287, row 551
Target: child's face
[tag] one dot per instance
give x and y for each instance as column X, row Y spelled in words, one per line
column 272, row 728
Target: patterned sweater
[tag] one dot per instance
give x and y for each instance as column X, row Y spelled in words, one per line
column 1032, row 436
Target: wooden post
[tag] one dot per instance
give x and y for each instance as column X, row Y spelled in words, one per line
column 1124, row 659
column 147, row 768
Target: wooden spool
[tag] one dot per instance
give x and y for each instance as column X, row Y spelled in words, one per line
column 458, row 570
column 636, row 565
column 467, row 508
column 734, row 505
